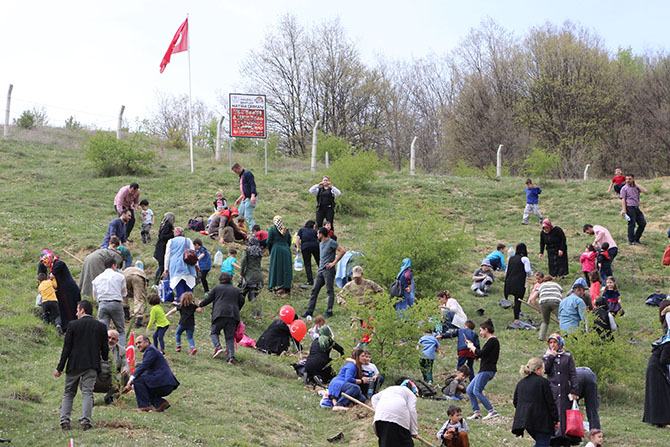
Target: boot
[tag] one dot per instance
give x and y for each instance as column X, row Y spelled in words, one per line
column 138, row 322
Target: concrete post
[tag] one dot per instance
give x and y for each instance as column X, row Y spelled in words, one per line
column 313, row 165
column 217, row 153
column 412, row 157
column 586, row 171
column 9, row 100
column 327, row 162
column 120, row 123
column 499, row 161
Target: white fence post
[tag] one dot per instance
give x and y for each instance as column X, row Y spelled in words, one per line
column 266, row 155
column 327, row 162
column 499, row 161
column 120, row 123
column 217, row 153
column 412, row 157
column 586, row 171
column 9, row 100
column 313, row 165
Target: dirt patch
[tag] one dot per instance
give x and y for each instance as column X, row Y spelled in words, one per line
column 127, row 425
column 26, row 395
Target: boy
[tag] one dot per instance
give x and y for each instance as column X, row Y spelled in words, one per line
column 228, row 266
column 532, row 193
column 204, row 262
column 115, row 243
column 370, row 370
column 429, row 345
column 147, row 221
column 262, row 236
column 482, row 279
column 454, row 432
column 464, row 354
column 241, row 224
column 50, row 313
column 617, row 181
column 497, row 258
column 604, row 262
column 455, row 385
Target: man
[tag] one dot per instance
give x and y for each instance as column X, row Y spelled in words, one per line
column 587, row 388
column 325, row 194
column 360, row 288
column 85, row 344
column 109, row 288
column 248, row 194
column 482, row 279
column 106, row 382
column 128, row 198
column 136, row 285
column 572, row 310
column 630, row 206
column 602, row 235
column 117, row 227
column 330, row 254
column 153, row 378
column 94, row 264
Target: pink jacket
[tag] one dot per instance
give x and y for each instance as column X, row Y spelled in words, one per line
column 588, row 260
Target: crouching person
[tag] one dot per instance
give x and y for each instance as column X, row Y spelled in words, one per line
column 107, row 381
column 454, row 432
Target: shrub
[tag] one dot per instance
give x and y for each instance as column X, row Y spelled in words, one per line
column 110, row 156
column 26, row 120
column 541, row 163
column 335, row 146
column 72, row 124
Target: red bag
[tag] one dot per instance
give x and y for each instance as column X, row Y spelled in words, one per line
column 190, row 256
column 666, row 256
column 574, row 421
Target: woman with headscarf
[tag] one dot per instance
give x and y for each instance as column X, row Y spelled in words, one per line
column 182, row 275
column 251, row 274
column 275, row 339
column 553, row 239
column 67, row 292
column 281, row 268
column 657, row 385
column 562, row 374
column 407, row 281
column 518, row 269
column 318, row 360
column 395, row 414
column 165, row 233
column 550, row 296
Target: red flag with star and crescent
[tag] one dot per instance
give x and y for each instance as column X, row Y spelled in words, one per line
column 179, row 43
column 130, row 353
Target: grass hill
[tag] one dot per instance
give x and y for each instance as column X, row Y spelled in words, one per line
column 52, row 199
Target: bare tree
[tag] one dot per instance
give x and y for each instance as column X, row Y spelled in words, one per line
column 170, row 120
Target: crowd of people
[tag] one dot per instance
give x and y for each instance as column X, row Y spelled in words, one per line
column 541, row 403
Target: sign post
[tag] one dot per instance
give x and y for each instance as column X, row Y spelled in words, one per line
column 248, row 118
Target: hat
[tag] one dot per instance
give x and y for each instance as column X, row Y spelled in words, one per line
column 357, row 272
column 486, row 262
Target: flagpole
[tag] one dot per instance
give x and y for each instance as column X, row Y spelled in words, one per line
column 190, row 105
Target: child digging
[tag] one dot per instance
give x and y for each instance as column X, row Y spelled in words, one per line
column 187, row 310
column 47, row 289
column 454, row 432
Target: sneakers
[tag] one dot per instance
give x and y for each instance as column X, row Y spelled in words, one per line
column 328, row 314
column 524, row 223
column 178, row 349
column 193, row 351
column 85, row 426
column 491, row 415
column 480, row 293
column 306, row 314
column 475, row 416
column 65, row 426
column 217, row 351
column 326, row 403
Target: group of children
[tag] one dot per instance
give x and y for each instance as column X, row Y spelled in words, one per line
column 186, row 308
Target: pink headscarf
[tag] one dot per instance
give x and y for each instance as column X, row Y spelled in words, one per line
column 48, row 258
column 178, row 231
column 546, row 223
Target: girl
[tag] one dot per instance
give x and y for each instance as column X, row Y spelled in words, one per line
column 452, row 312
column 588, row 260
column 595, row 438
column 162, row 323
column 535, row 293
column 594, row 290
column 487, row 370
column 611, row 293
column 348, row 381
column 187, row 311
column 220, row 200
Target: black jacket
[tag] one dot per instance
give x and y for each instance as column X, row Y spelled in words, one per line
column 535, row 406
column 228, row 300
column 85, row 343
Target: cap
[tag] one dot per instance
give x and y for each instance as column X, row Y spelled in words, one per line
column 486, row 262
column 357, row 272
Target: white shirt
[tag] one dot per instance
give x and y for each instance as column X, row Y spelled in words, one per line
column 397, row 404
column 370, row 368
column 456, row 308
column 109, row 286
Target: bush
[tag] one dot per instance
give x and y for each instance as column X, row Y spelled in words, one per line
column 72, row 124
column 541, row 163
column 26, row 120
column 335, row 146
column 110, row 156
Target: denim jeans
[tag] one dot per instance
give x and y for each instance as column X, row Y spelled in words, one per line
column 158, row 335
column 476, row 391
column 246, row 209
column 352, row 390
column 189, row 335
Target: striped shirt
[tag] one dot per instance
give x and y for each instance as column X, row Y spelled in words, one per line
column 550, row 291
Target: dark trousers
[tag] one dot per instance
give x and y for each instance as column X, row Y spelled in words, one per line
column 470, row 361
column 50, row 313
column 131, row 223
column 517, row 305
column 613, row 251
column 203, row 280
column 327, row 214
column 159, row 272
column 307, row 254
column 159, row 333
column 148, row 396
column 426, row 366
column 229, row 326
column 587, row 278
column 327, row 277
column 636, row 217
column 541, row 439
column 391, row 434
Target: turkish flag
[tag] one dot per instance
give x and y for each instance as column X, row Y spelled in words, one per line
column 130, row 353
column 179, row 43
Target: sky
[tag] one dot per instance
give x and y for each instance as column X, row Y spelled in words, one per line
column 85, row 59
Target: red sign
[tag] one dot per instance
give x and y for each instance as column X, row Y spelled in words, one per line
column 247, row 116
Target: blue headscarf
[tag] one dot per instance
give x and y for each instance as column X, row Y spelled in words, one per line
column 408, row 297
column 406, row 264
column 581, row 281
column 409, row 384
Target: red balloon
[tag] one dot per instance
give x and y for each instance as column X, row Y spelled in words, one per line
column 287, row 314
column 298, row 329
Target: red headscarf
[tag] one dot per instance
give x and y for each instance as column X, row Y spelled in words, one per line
column 48, row 258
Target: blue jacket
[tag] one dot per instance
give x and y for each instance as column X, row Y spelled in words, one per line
column 496, row 254
column 570, row 312
column 532, row 194
column 117, row 228
column 248, row 184
column 347, row 373
column 467, row 334
column 206, row 262
column 155, row 369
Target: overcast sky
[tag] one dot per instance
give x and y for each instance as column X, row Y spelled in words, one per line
column 86, row 58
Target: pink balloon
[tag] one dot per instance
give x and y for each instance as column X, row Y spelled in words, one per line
column 298, row 329
column 287, row 314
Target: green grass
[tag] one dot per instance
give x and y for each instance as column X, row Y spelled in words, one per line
column 52, row 199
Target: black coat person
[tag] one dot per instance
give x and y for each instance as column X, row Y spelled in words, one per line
column 518, row 269
column 67, row 293
column 657, row 385
column 275, row 339
column 587, row 388
column 553, row 239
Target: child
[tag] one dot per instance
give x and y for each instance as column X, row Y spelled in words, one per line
column 604, row 262
column 241, row 223
column 370, row 370
column 454, row 432
column 455, row 384
column 204, row 262
column 535, row 292
column 595, row 435
column 331, row 234
column 187, row 312
column 482, row 279
column 158, row 316
column 497, row 258
column 588, row 260
column 428, row 345
column 532, row 199
column 228, row 266
column 47, row 289
column 464, row 354
column 262, row 236
column 319, row 322
column 617, row 182
column 115, row 243
column 220, row 200
column 603, row 321
column 147, row 221
column 594, row 290
column 611, row 293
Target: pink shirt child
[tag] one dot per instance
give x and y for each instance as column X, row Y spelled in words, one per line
column 588, row 260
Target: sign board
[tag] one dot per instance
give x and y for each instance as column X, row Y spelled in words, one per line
column 247, row 115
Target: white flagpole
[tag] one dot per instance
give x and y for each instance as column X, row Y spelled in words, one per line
column 190, row 106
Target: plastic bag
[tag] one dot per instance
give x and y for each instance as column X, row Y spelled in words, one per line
column 574, row 421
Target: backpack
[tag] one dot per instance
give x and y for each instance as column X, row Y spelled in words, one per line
column 425, row 389
column 196, row 224
column 396, row 289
